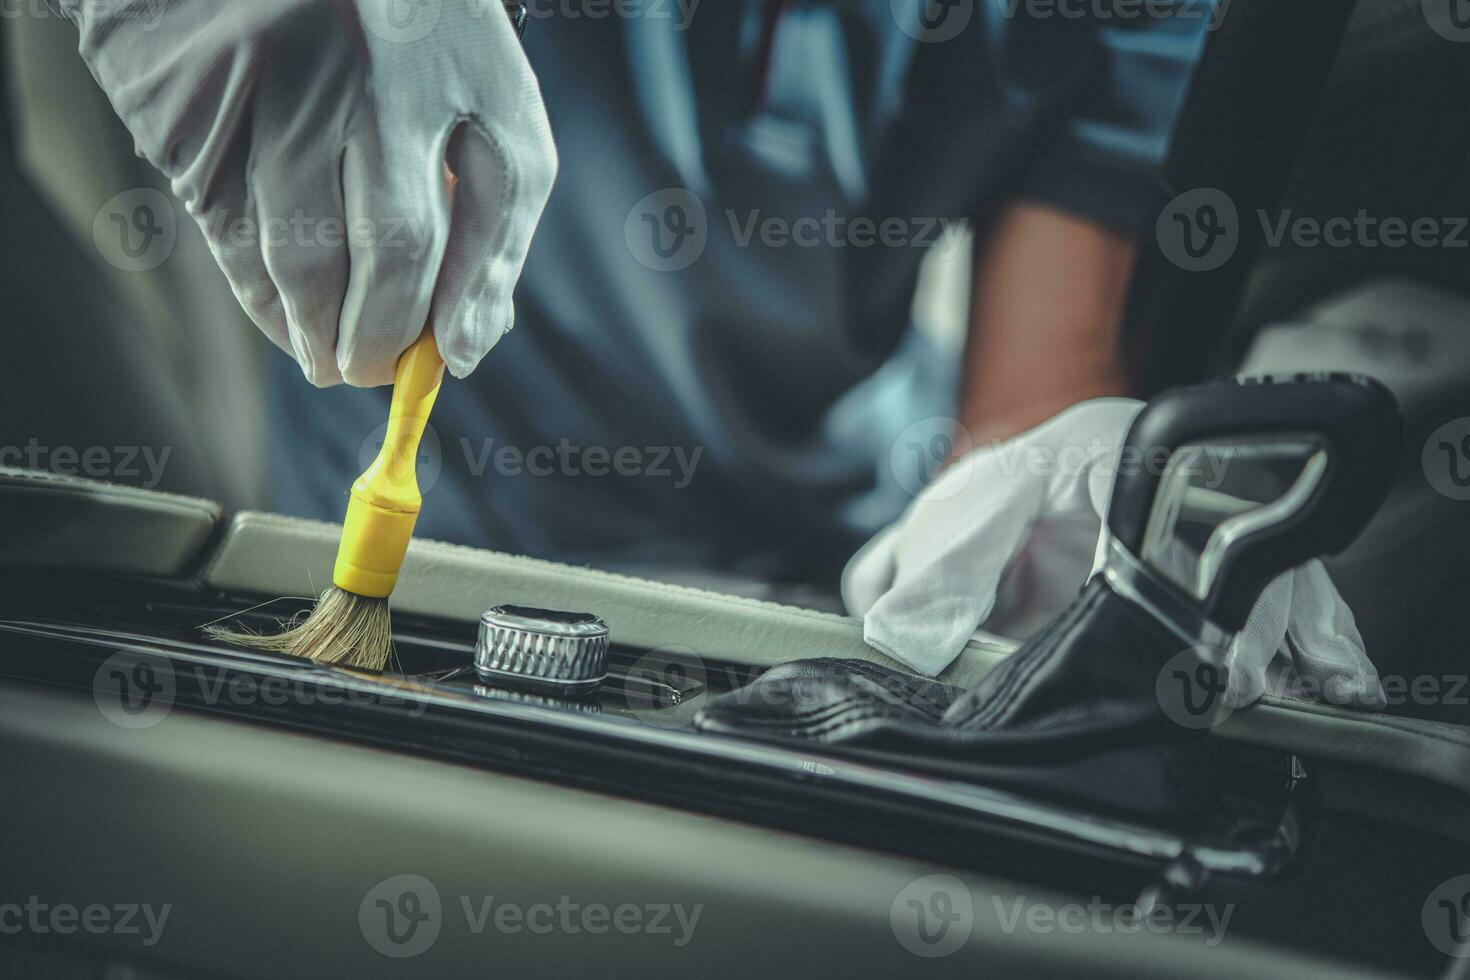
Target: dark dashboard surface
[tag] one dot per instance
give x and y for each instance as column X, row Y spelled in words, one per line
column 1271, row 849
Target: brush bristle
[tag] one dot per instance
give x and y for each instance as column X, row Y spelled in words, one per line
column 344, row 629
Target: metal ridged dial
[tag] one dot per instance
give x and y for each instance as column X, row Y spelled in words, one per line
column 541, row 650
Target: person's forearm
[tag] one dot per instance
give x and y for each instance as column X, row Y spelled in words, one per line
column 1045, row 319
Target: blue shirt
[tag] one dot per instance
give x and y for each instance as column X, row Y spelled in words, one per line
column 713, row 357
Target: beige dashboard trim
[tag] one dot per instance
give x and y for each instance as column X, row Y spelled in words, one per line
column 269, row 555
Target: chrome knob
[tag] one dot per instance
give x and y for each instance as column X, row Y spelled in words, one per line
column 541, row 650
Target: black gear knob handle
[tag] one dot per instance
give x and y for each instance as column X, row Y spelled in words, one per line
column 1222, row 487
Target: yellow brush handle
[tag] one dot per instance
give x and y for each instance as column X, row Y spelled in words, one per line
column 385, row 500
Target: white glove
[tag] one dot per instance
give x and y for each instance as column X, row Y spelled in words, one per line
column 1010, row 533
column 309, row 139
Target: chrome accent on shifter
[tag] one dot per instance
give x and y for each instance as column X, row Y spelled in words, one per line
column 1219, row 550
column 1132, row 580
column 541, row 650
column 1194, row 530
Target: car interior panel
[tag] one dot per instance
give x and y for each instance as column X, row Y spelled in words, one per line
column 733, row 751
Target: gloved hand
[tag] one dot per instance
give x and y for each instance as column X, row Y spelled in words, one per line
column 1006, row 538
column 309, row 139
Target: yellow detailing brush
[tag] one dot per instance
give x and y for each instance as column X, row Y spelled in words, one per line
column 350, row 625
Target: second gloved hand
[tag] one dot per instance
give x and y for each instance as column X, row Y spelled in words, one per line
column 309, row 138
column 1007, row 536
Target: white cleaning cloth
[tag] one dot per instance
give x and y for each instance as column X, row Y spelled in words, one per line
column 1007, row 536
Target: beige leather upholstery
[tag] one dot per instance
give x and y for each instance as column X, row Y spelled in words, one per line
column 52, row 521
column 270, row 555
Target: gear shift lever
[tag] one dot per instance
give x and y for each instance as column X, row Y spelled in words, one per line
column 1257, row 476
column 1220, row 488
